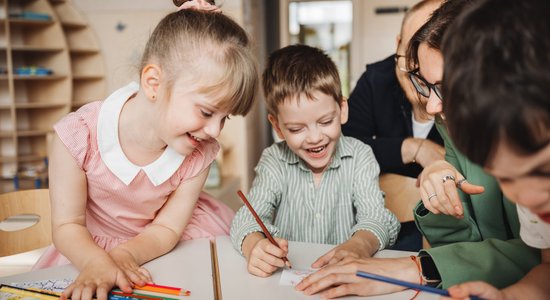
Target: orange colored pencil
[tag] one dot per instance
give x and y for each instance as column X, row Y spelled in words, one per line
column 264, row 229
column 164, row 289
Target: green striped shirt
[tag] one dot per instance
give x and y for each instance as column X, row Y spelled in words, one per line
column 347, row 199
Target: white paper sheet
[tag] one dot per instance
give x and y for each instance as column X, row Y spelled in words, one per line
column 294, row 276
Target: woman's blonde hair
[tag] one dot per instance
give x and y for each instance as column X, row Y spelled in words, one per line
column 184, row 37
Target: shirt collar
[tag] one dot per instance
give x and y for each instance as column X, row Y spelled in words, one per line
column 109, row 146
column 343, row 149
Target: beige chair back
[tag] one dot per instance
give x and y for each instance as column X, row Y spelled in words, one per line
column 402, row 195
column 26, row 202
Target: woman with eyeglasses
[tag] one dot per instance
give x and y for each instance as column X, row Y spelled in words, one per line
column 461, row 203
column 474, row 236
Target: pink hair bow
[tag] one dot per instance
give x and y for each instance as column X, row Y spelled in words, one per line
column 199, row 5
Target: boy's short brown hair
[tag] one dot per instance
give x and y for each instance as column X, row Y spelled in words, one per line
column 299, row 69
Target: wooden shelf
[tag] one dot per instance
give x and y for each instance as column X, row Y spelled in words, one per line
column 38, row 105
column 39, row 77
column 31, row 104
column 30, row 23
column 24, row 48
column 84, row 51
column 36, row 132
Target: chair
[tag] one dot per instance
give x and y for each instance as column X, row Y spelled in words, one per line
column 26, row 202
column 401, row 197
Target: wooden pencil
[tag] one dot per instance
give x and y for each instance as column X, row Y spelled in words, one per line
column 264, row 229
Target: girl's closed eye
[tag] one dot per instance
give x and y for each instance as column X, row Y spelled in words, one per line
column 206, row 113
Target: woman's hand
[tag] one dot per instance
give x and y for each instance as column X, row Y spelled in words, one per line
column 430, row 152
column 475, row 288
column 340, row 279
column 96, row 279
column 137, row 275
column 363, row 244
column 264, row 258
column 438, row 189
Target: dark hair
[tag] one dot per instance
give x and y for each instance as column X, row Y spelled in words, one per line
column 433, row 30
column 183, row 38
column 497, row 78
column 299, row 69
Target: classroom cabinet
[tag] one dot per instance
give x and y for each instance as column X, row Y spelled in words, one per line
column 50, row 64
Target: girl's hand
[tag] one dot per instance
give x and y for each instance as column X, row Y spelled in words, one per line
column 339, row 279
column 438, row 189
column 264, row 258
column 96, row 279
column 475, row 288
column 363, row 244
column 137, row 275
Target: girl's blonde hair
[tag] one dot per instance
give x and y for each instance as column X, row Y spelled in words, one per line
column 184, row 37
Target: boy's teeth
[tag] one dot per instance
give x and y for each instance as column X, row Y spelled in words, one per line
column 317, row 149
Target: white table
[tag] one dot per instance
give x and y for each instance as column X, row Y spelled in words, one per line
column 236, row 283
column 188, row 265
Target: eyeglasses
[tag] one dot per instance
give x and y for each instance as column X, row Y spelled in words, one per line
column 423, row 87
column 396, row 58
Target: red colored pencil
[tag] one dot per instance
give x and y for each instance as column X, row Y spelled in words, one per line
column 264, row 229
column 163, row 289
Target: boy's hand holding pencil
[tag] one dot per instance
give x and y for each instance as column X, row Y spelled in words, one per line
column 264, row 253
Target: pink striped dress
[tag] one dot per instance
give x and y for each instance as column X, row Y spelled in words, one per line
column 124, row 198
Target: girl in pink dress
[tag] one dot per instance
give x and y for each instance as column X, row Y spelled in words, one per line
column 126, row 173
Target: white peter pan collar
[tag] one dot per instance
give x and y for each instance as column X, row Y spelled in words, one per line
column 109, row 146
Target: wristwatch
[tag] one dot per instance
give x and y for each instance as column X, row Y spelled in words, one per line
column 430, row 274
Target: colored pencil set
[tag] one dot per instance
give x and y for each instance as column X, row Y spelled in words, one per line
column 162, row 289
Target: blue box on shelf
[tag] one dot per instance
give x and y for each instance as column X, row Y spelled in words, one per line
column 33, row 71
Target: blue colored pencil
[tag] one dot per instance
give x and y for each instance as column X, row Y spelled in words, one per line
column 407, row 284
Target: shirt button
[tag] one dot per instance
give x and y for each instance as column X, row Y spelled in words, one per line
column 318, row 215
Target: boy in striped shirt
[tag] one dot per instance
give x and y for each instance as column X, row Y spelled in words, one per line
column 316, row 185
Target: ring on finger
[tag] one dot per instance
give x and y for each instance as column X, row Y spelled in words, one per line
column 431, row 196
column 460, row 182
column 448, row 177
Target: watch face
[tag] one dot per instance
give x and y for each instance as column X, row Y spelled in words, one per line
column 429, row 270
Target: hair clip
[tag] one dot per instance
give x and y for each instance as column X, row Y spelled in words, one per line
column 179, row 3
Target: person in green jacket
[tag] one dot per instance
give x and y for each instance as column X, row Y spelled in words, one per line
column 499, row 118
column 472, row 228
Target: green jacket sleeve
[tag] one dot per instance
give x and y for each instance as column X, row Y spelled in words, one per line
column 500, row 263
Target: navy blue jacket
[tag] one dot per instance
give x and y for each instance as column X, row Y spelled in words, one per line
column 380, row 115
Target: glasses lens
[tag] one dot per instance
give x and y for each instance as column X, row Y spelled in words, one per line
column 420, row 85
column 437, row 90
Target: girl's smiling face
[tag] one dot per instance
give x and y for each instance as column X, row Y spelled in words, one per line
column 186, row 117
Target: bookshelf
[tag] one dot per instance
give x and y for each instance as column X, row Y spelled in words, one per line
column 50, row 64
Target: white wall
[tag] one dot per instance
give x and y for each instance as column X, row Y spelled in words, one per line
column 373, row 35
column 122, row 49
